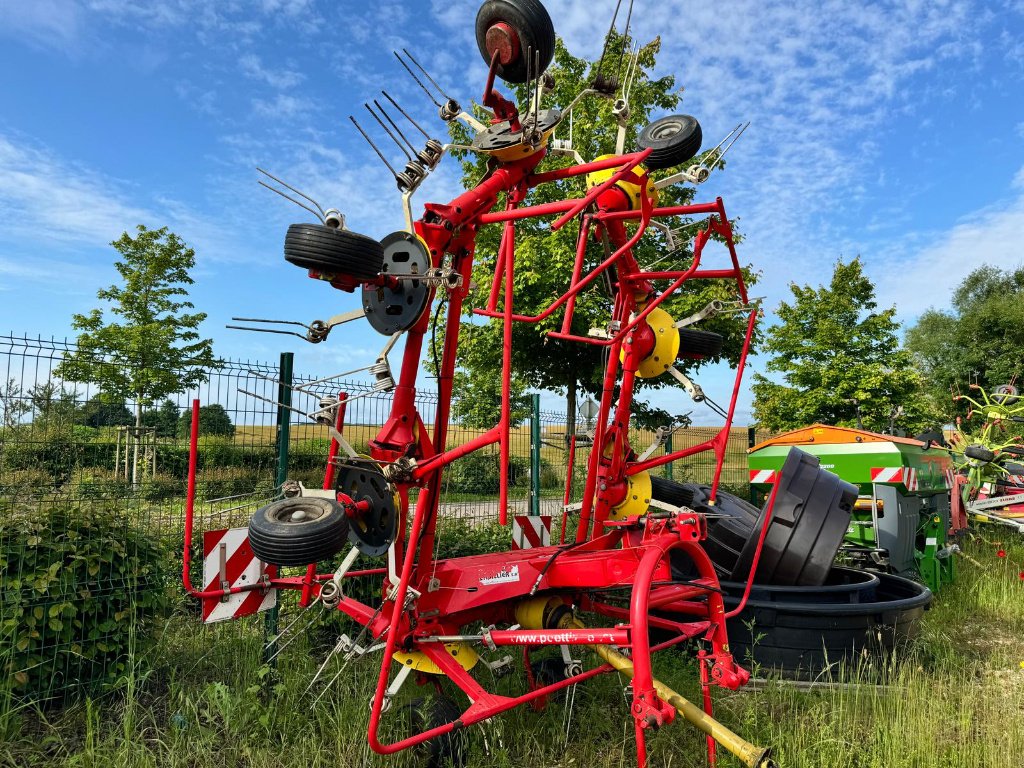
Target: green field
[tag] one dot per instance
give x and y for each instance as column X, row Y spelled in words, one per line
column 204, row 701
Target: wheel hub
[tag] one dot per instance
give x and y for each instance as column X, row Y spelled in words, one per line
column 503, row 40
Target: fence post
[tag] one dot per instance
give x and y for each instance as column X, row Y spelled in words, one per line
column 751, row 442
column 669, row 449
column 284, row 422
column 535, row 456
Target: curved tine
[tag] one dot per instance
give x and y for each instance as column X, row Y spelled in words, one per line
column 293, row 189
column 291, row 199
column 427, row 75
column 267, row 331
column 405, row 114
column 392, row 124
column 420, row 84
column 389, row 133
column 374, row 146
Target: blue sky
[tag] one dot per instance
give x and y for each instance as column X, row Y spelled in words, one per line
column 887, row 129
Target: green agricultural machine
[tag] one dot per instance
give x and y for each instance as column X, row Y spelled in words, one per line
column 901, row 521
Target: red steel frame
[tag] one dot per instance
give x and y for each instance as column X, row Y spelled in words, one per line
column 437, row 598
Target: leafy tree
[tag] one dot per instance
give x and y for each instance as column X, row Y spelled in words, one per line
column 978, row 341
column 840, row 361
column 13, row 403
column 544, row 259
column 53, row 403
column 479, row 404
column 164, row 419
column 213, row 420
column 100, row 411
column 153, row 349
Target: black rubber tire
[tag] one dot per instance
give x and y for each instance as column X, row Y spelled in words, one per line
column 979, row 453
column 447, row 751
column 671, row 492
column 699, row 345
column 531, row 22
column 278, row 540
column 673, row 140
column 333, row 251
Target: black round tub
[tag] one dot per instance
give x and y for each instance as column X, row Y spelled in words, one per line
column 800, row 631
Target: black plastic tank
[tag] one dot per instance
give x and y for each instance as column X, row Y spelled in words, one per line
column 810, row 517
column 800, row 632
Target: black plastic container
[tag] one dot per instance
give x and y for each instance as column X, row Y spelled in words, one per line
column 800, row 631
column 810, row 517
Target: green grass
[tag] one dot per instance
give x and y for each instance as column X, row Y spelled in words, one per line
column 204, row 701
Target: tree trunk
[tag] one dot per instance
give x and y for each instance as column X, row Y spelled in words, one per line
column 135, row 452
column 570, row 407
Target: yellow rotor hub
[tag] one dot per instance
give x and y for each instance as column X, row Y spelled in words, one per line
column 666, row 345
column 597, row 178
column 638, row 497
column 419, row 661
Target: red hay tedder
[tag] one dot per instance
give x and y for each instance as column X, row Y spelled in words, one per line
column 433, row 614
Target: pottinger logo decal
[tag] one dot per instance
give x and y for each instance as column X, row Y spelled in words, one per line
column 504, row 576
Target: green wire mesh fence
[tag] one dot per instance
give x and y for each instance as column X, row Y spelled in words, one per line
column 92, row 509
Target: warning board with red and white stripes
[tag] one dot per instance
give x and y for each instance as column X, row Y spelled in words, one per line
column 228, row 558
column 761, row 476
column 905, row 475
column 529, row 531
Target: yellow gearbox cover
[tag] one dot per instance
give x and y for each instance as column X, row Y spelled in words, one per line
column 638, row 497
column 632, row 190
column 419, row 661
column 666, row 345
column 530, row 613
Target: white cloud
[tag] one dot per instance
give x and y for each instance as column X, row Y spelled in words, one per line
column 46, row 200
column 43, row 197
column 927, row 276
column 275, row 78
column 282, row 106
column 51, row 23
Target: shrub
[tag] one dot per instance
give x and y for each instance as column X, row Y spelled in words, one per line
column 80, row 586
column 479, row 473
column 458, row 538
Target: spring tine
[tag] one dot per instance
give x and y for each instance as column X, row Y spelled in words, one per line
column 370, row 142
column 420, row 84
column 426, row 74
column 631, row 73
column 273, row 402
column 263, row 320
column 298, row 192
column 292, row 199
column 405, row 114
column 389, row 133
column 722, row 153
column 537, row 87
column 392, row 124
column 266, row 330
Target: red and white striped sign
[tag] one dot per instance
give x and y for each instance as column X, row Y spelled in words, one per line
column 227, row 557
column 905, row 475
column 761, row 476
column 950, row 477
column 529, row 531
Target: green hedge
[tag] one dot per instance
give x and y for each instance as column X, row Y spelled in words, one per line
column 79, row 589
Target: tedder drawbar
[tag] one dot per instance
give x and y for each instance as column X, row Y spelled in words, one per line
column 433, row 615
